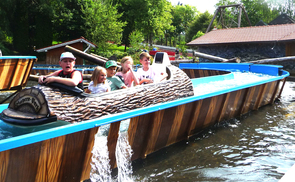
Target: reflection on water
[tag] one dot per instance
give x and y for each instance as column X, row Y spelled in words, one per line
column 259, row 146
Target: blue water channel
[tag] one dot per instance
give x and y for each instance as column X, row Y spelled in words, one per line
column 257, row 147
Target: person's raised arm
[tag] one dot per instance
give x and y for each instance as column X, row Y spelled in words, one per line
column 41, row 78
column 134, row 76
column 74, row 81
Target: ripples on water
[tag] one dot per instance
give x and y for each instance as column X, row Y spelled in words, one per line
column 239, row 79
column 258, row 147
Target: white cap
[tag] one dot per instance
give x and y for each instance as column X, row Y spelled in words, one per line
column 67, row 55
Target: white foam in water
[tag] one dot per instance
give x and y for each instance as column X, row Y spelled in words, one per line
column 239, row 80
column 100, row 165
column 123, row 157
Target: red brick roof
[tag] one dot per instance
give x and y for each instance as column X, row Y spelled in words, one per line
column 258, row 34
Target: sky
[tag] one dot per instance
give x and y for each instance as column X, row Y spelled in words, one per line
column 201, row 5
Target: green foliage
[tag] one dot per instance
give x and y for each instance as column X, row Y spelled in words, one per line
column 182, row 48
column 102, row 23
column 182, row 15
column 199, row 34
column 259, row 10
column 136, row 38
column 199, row 24
column 265, row 10
column 5, row 43
column 153, row 18
column 67, row 21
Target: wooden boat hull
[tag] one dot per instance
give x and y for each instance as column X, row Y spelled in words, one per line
column 64, row 153
column 15, row 71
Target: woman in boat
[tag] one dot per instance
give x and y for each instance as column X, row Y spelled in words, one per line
column 68, row 75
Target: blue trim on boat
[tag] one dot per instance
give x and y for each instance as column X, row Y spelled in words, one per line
column 18, row 57
column 46, row 134
column 243, row 67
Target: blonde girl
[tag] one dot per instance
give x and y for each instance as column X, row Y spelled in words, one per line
column 127, row 72
column 98, row 81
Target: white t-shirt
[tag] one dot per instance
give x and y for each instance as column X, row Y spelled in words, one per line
column 151, row 73
column 99, row 88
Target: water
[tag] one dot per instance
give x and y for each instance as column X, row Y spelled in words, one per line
column 257, row 147
column 100, row 165
column 123, row 157
column 239, row 79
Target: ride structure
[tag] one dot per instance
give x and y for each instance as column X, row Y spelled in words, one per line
column 61, row 150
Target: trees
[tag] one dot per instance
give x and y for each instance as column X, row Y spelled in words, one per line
column 257, row 10
column 183, row 15
column 199, row 24
column 154, row 18
column 102, row 23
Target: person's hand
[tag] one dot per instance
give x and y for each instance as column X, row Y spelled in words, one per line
column 129, row 66
column 49, row 80
column 40, row 79
column 87, row 91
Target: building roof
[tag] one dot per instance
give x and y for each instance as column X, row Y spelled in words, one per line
column 257, row 34
column 81, row 39
column 282, row 19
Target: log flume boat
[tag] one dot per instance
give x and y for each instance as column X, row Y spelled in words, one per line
column 14, row 72
column 160, row 114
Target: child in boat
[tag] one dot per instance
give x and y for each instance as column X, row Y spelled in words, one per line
column 148, row 74
column 68, row 75
column 129, row 76
column 98, row 81
column 114, row 81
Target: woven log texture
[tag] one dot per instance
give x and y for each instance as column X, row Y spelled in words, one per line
column 75, row 109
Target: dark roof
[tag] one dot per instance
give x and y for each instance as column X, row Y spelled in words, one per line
column 261, row 23
column 282, row 19
column 258, row 34
column 81, row 39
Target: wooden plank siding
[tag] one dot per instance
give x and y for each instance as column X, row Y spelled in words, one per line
column 198, row 73
column 15, row 72
column 68, row 158
column 290, row 49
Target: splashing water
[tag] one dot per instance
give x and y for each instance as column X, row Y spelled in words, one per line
column 100, row 165
column 123, row 157
column 239, row 80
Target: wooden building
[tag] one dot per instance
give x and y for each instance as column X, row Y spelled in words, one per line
column 53, row 52
column 250, row 44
